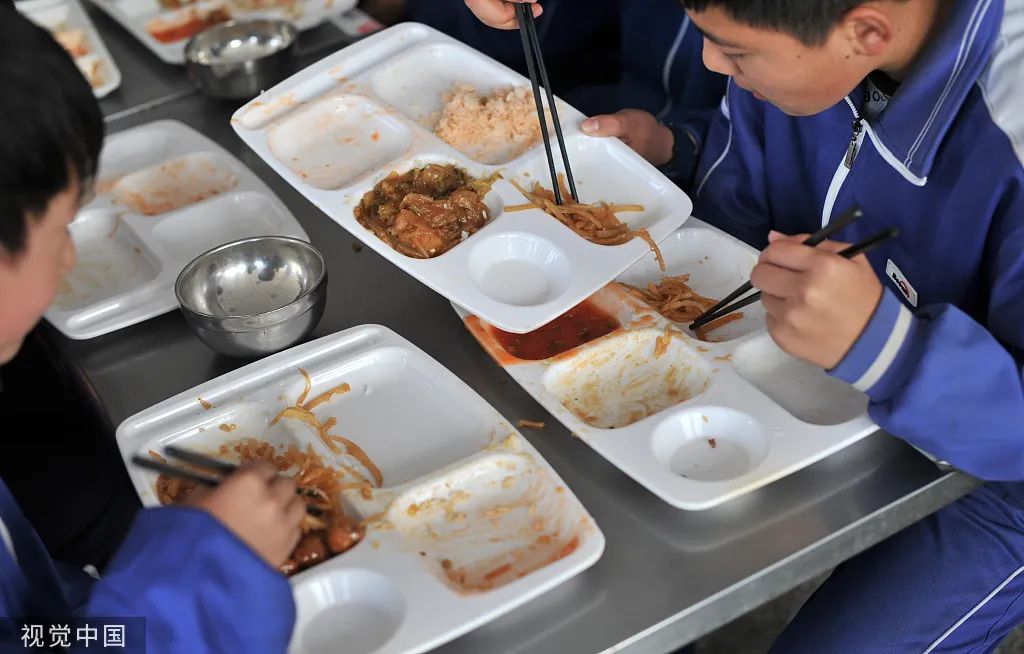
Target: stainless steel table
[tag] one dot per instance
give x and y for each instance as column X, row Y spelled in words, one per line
column 667, row 576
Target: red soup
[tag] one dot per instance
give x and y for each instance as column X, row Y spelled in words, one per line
column 579, row 325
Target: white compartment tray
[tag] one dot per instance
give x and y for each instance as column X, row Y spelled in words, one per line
column 128, row 261
column 58, row 15
column 460, row 484
column 704, row 422
column 340, row 126
column 136, row 15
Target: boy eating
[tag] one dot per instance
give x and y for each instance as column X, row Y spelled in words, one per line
column 205, row 576
column 911, row 110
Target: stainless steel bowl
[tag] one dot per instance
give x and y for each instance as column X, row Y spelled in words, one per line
column 241, row 58
column 253, row 297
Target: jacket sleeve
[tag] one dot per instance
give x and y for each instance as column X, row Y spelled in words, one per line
column 198, row 586
column 696, row 95
column 943, row 381
column 730, row 191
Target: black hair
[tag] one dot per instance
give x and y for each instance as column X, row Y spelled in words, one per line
column 808, row 20
column 51, row 128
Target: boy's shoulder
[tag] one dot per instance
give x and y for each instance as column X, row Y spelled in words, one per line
column 999, row 86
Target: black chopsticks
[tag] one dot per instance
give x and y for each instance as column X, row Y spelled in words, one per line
column 535, row 64
column 859, row 248
column 848, row 217
column 199, row 477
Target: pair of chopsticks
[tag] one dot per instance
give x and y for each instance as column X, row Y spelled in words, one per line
column 199, row 477
column 535, row 65
column 847, row 218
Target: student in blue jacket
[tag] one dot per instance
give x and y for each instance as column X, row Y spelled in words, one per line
column 665, row 99
column 203, row 576
column 912, row 110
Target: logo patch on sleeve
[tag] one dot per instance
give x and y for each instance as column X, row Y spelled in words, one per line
column 898, row 279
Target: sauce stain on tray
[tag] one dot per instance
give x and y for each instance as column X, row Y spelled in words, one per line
column 482, row 528
column 581, row 324
column 173, row 185
column 623, row 379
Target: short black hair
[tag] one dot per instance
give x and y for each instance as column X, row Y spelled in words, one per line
column 51, row 128
column 808, row 20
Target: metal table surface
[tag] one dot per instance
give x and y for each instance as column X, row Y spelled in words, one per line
column 667, row 577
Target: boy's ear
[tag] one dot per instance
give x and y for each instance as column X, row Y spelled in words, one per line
column 868, row 30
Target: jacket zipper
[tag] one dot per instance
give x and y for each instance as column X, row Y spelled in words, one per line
column 854, row 149
column 856, row 141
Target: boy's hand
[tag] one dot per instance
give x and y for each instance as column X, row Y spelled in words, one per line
column 637, row 129
column 500, row 14
column 260, row 507
column 817, row 303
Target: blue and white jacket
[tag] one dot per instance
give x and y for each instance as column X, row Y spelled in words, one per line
column 663, row 73
column 199, row 588
column 941, row 358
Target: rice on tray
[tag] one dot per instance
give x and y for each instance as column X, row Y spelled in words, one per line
column 492, row 129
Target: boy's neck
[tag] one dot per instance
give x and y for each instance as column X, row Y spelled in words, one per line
column 917, row 22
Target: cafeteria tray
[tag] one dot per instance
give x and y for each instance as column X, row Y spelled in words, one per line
column 462, row 490
column 136, row 15
column 703, row 422
column 340, row 126
column 127, row 261
column 58, row 15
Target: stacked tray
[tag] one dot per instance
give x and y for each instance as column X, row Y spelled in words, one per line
column 695, row 422
column 468, row 522
column 339, row 127
column 165, row 194
column 177, row 21
column 69, row 23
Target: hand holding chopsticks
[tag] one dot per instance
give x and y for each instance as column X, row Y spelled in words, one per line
column 722, row 308
column 817, row 304
column 500, row 14
column 539, row 77
column 848, row 253
column 198, row 476
column 252, row 502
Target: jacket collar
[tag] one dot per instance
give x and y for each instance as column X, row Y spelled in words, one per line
column 914, row 124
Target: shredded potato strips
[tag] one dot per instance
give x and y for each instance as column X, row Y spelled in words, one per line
column 298, row 413
column 715, row 324
column 674, row 299
column 521, row 207
column 325, row 436
column 357, row 453
column 306, row 390
column 341, row 389
column 595, row 222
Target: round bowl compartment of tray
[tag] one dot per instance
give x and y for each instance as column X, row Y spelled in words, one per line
column 255, row 296
column 351, row 610
column 519, row 269
column 710, row 444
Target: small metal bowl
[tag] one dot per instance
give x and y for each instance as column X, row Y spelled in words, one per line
column 255, row 296
column 239, row 59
